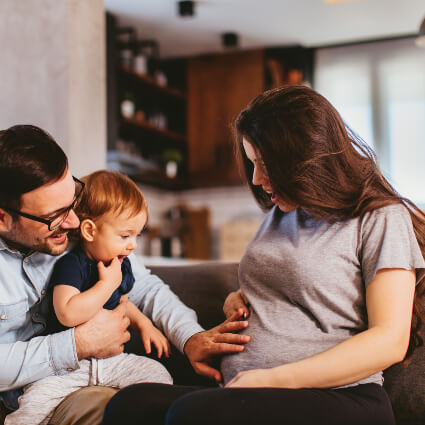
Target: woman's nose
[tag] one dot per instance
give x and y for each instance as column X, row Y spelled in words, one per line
column 257, row 177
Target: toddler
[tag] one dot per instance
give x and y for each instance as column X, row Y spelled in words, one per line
column 97, row 274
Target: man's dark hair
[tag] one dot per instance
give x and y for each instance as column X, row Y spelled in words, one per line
column 29, row 158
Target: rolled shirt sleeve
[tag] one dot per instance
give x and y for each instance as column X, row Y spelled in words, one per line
column 26, row 362
column 158, row 301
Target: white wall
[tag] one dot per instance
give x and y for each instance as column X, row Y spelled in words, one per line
column 52, row 74
column 226, row 205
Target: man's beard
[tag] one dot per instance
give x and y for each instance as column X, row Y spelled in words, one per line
column 16, row 239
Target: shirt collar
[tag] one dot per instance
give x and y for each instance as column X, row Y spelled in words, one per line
column 5, row 247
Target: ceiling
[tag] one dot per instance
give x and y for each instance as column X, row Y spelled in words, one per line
column 260, row 23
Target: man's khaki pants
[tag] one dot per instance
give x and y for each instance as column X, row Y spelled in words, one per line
column 82, row 407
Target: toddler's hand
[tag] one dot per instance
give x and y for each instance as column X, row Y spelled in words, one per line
column 234, row 302
column 110, row 274
column 152, row 335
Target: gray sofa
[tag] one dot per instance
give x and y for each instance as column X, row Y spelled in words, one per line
column 204, row 288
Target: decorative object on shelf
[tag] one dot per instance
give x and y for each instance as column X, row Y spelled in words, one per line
column 420, row 40
column 128, row 105
column 161, row 78
column 159, row 120
column 171, row 228
column 172, row 160
column 126, row 57
column 275, row 73
column 295, row 77
column 140, row 115
column 141, row 64
column 288, row 65
column 129, row 164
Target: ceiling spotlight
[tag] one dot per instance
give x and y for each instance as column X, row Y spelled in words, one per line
column 229, row 39
column 186, row 8
column 420, row 40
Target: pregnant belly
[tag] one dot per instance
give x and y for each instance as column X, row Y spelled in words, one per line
column 276, row 344
column 265, row 350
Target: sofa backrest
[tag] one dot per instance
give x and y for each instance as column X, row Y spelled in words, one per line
column 203, row 287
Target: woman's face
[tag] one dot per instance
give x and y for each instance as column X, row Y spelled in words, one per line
column 260, row 177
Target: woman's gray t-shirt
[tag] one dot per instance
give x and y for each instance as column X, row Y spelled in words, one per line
column 306, row 282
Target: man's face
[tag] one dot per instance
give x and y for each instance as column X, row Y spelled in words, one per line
column 25, row 234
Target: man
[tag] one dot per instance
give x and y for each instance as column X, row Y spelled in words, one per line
column 37, row 197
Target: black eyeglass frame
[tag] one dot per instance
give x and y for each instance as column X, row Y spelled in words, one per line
column 65, row 212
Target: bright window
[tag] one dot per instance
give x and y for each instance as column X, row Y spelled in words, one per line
column 379, row 90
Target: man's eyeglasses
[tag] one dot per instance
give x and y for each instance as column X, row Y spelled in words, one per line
column 55, row 221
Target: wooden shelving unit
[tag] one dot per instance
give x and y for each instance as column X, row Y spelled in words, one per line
column 150, row 128
column 150, row 82
column 160, row 180
column 157, row 129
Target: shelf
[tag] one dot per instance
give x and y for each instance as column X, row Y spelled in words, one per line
column 150, row 82
column 146, row 126
column 160, row 180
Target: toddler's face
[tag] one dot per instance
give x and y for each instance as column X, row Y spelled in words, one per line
column 116, row 236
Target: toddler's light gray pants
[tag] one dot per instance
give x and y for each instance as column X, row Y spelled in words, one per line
column 37, row 404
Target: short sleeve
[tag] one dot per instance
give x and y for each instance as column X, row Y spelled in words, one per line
column 67, row 271
column 388, row 241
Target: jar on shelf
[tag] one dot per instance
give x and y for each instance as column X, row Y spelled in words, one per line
column 141, row 64
column 172, row 160
column 128, row 105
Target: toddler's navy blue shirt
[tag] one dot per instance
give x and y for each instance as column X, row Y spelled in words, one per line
column 77, row 270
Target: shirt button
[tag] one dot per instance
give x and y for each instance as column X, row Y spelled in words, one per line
column 3, row 317
column 26, row 260
column 43, row 292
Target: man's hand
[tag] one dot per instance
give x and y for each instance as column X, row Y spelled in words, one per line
column 104, row 335
column 203, row 346
column 235, row 301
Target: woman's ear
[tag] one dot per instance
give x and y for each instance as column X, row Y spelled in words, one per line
column 88, row 230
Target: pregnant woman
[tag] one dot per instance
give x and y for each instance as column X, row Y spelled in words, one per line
column 328, row 281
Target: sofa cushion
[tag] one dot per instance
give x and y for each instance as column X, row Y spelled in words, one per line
column 406, row 388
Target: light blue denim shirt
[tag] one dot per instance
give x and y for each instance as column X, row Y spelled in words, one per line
column 26, row 356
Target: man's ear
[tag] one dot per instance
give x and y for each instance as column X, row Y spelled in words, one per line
column 5, row 220
column 88, row 230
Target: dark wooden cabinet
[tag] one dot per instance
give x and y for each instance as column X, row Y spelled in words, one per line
column 218, row 88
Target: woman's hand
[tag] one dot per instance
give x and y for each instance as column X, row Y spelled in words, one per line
column 234, row 302
column 253, row 378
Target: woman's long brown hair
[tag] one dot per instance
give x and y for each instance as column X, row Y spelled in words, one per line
column 315, row 161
